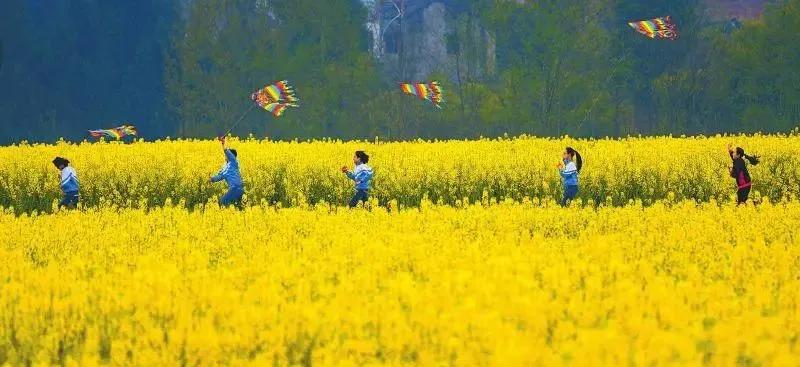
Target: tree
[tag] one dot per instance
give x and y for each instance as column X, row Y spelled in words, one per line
column 227, row 49
column 554, row 61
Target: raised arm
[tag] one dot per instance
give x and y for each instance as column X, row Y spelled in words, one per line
column 229, row 156
column 224, row 146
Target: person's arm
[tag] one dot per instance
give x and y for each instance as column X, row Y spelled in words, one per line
column 220, row 175
column 66, row 175
column 349, row 174
column 230, row 157
column 730, row 150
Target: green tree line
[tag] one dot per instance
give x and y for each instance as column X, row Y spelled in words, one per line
column 562, row 67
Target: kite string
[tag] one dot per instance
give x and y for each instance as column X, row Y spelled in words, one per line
column 239, row 120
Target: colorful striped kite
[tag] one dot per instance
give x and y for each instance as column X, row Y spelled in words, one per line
column 116, row 133
column 661, row 28
column 426, row 91
column 276, row 109
column 275, row 98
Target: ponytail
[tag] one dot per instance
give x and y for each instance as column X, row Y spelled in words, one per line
column 577, row 156
column 753, row 159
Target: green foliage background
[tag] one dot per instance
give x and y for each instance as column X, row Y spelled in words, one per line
column 184, row 68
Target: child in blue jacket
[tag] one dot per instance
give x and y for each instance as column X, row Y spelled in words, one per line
column 230, row 173
column 362, row 175
column 69, row 183
column 569, row 171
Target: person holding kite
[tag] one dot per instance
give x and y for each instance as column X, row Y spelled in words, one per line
column 230, row 173
column 739, row 172
column 69, row 183
column 569, row 170
column 362, row 175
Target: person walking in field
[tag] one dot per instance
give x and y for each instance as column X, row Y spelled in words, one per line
column 740, row 173
column 69, row 183
column 362, row 175
column 230, row 173
column 569, row 170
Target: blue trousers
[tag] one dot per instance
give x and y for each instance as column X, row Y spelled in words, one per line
column 361, row 195
column 70, row 200
column 570, row 192
column 232, row 197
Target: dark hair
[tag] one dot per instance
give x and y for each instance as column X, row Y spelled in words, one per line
column 753, row 159
column 60, row 162
column 577, row 156
column 233, row 151
column 362, row 156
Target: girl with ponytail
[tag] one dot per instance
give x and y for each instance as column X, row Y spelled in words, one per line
column 739, row 172
column 569, row 170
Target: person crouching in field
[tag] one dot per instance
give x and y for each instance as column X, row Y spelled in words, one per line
column 739, row 172
column 362, row 175
column 569, row 169
column 69, row 183
column 230, row 173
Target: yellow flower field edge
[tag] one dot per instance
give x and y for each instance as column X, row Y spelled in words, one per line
column 147, row 174
column 500, row 285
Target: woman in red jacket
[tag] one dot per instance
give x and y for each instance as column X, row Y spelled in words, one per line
column 739, row 172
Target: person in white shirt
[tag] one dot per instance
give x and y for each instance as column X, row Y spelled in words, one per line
column 362, row 176
column 569, row 170
column 69, row 183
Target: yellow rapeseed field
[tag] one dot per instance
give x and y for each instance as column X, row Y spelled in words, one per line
column 508, row 284
column 464, row 258
column 146, row 174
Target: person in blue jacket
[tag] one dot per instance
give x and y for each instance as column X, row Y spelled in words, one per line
column 569, row 169
column 362, row 175
column 230, row 173
column 69, row 183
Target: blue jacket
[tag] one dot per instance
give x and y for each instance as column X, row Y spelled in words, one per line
column 69, row 180
column 362, row 175
column 570, row 174
column 230, row 172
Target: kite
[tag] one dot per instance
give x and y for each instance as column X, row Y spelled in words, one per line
column 661, row 28
column 116, row 133
column 426, row 91
column 276, row 109
column 275, row 98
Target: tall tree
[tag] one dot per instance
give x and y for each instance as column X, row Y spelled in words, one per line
column 554, row 58
column 226, row 49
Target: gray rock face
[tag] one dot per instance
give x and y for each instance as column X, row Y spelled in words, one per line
column 432, row 51
column 418, row 41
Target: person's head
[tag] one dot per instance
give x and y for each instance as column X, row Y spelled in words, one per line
column 360, row 157
column 233, row 151
column 739, row 153
column 60, row 163
column 571, row 154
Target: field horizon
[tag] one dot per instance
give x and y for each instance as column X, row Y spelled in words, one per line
column 617, row 171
